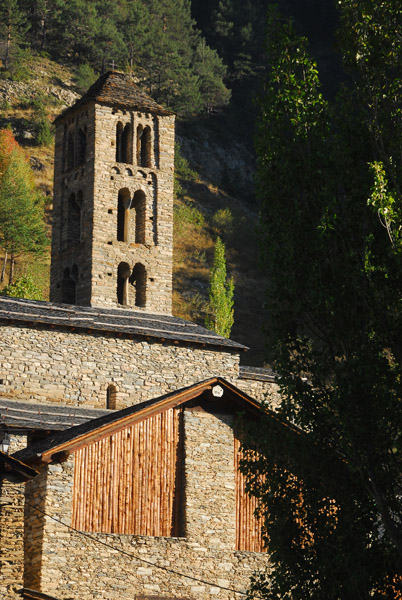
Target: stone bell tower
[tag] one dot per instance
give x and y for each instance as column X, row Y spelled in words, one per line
column 112, row 239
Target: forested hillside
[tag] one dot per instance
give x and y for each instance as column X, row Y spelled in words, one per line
column 205, row 60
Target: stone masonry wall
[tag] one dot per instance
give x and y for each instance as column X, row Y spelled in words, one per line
column 12, row 532
column 78, row 180
column 74, row 566
column 156, row 182
column 76, row 368
column 260, row 390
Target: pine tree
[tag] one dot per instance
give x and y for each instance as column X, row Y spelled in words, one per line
column 38, row 14
column 210, row 71
column 220, row 310
column 12, row 22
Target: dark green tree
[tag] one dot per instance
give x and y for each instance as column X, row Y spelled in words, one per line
column 77, row 41
column 134, row 18
column 210, row 72
column 12, row 27
column 329, row 178
column 108, row 51
column 39, row 15
column 167, row 56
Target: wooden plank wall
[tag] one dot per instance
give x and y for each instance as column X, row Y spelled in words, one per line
column 248, row 526
column 129, row 483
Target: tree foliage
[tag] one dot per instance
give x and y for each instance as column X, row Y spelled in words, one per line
column 22, row 227
column 220, row 309
column 157, row 39
column 23, row 287
column 329, row 177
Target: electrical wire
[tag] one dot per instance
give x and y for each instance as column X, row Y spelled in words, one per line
column 143, row 560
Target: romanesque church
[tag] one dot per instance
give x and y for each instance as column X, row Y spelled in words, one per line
column 119, row 447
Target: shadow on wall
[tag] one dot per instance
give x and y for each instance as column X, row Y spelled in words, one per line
column 35, row 495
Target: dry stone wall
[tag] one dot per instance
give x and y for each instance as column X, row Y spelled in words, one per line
column 67, row 252
column 76, row 368
column 156, row 181
column 263, row 391
column 12, row 532
column 123, row 566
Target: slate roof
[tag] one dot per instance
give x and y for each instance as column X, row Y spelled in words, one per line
column 256, row 373
column 124, row 322
column 33, row 415
column 118, row 89
column 116, row 420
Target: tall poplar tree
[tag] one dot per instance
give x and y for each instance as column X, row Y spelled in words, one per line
column 220, row 309
column 330, row 181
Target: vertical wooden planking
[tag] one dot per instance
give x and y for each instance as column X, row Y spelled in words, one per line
column 129, row 482
column 248, row 526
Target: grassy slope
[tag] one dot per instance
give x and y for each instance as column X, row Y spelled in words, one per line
column 196, row 227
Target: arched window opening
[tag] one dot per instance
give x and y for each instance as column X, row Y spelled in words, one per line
column 81, row 146
column 138, row 280
column 123, row 216
column 70, row 150
column 123, row 273
column 126, row 144
column 74, row 218
column 111, row 394
column 156, row 141
column 140, row 130
column 69, row 285
column 74, row 273
column 139, row 205
column 64, row 157
column 119, row 136
column 144, row 146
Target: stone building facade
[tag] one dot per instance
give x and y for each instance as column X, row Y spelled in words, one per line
column 202, row 562
column 107, row 349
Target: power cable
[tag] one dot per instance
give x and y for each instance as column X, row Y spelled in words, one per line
column 143, row 560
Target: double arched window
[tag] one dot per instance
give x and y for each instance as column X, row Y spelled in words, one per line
column 131, row 217
column 74, row 208
column 144, row 146
column 131, row 285
column 70, row 150
column 123, row 215
column 69, row 285
column 75, row 147
column 123, row 143
column 81, row 145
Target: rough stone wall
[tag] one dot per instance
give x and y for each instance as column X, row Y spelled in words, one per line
column 36, row 499
column 210, row 512
column 65, row 254
column 76, row 368
column 260, row 390
column 12, row 532
column 156, row 182
column 79, row 567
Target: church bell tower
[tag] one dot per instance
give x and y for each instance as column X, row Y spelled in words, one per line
column 112, row 239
